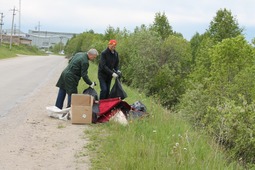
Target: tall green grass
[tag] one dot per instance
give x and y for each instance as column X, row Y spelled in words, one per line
column 162, row 141
column 5, row 51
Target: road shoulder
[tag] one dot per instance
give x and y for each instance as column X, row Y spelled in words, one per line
column 36, row 141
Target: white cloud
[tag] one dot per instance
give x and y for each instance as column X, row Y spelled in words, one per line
column 79, row 15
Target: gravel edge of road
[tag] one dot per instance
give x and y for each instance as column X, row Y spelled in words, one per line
column 36, row 141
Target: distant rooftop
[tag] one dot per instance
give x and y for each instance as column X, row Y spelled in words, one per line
column 50, row 32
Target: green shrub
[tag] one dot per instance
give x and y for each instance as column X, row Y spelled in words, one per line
column 233, row 124
column 215, row 103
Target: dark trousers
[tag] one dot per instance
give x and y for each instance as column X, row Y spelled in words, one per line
column 61, row 98
column 105, row 85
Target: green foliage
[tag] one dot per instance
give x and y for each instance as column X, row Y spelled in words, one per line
column 244, row 84
column 226, row 72
column 141, row 28
column 176, row 51
column 229, row 58
column 123, row 51
column 73, row 46
column 223, row 26
column 164, row 86
column 178, row 34
column 163, row 140
column 202, row 79
column 58, row 47
column 84, row 42
column 202, row 61
column 157, row 68
column 194, row 103
column 253, row 41
column 174, row 63
column 161, row 25
column 143, row 52
column 110, row 33
column 195, row 43
column 234, row 126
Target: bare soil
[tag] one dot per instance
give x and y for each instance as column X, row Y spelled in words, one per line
column 30, row 139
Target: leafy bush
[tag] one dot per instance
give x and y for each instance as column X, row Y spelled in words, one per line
column 223, row 102
column 83, row 42
column 174, row 62
column 233, row 124
column 142, row 58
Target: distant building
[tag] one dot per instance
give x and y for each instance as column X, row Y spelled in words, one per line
column 15, row 32
column 40, row 39
column 17, row 40
column 17, row 37
column 47, row 39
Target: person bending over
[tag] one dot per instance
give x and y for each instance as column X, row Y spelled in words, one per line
column 69, row 78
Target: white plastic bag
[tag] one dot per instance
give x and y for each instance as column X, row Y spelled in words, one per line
column 55, row 112
column 120, row 118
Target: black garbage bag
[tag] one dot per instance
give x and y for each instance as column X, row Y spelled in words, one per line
column 95, row 107
column 138, row 105
column 138, row 110
column 117, row 90
column 95, row 112
column 92, row 92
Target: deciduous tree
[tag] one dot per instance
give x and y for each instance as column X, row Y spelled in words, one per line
column 223, row 26
column 161, row 25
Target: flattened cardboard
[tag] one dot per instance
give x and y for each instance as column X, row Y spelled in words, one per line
column 81, row 109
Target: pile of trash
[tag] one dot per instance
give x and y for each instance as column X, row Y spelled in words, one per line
column 112, row 109
column 118, row 110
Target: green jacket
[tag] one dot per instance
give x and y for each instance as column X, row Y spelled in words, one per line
column 77, row 68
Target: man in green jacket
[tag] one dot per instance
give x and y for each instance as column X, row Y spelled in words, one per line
column 69, row 79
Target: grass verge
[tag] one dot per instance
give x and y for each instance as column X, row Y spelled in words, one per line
column 162, row 141
column 5, row 52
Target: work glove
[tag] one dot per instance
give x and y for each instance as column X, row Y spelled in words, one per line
column 114, row 75
column 93, row 84
column 119, row 73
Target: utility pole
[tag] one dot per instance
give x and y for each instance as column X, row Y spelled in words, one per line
column 13, row 10
column 14, row 29
column 19, row 17
column 39, row 26
column 60, row 43
column 1, row 24
column 39, row 34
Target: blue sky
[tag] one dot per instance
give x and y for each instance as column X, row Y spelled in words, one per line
column 76, row 16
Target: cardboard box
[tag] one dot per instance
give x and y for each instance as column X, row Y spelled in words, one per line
column 81, row 109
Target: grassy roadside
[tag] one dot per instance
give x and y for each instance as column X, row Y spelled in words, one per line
column 5, row 52
column 163, row 141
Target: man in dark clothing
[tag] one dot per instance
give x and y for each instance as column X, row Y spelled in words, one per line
column 70, row 77
column 108, row 68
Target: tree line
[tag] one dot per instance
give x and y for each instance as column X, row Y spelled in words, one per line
column 210, row 80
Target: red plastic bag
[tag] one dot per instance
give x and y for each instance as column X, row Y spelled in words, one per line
column 106, row 105
column 109, row 107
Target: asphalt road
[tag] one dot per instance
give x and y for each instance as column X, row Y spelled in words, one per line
column 21, row 76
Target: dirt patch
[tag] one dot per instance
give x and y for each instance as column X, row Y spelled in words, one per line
column 29, row 139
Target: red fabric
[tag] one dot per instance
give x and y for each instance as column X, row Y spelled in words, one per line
column 107, row 108
column 107, row 116
column 105, row 105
